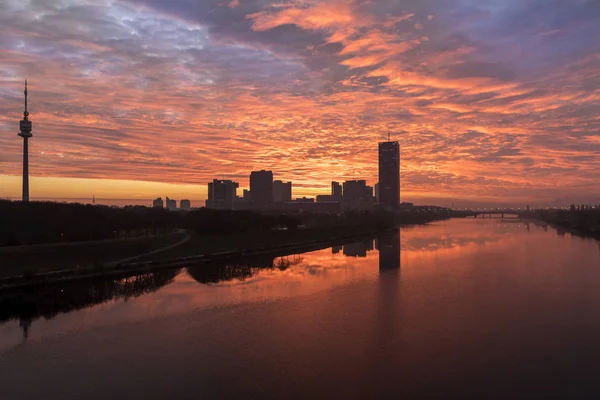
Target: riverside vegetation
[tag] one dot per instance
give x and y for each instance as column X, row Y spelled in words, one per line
column 43, row 236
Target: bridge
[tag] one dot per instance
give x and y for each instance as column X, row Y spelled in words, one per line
column 500, row 213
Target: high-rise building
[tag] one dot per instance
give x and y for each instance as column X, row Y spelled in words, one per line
column 261, row 188
column 171, row 204
column 377, row 192
column 389, row 174
column 222, row 194
column 25, row 125
column 336, row 190
column 185, row 204
column 282, row 192
column 357, row 190
column 247, row 195
column 158, row 203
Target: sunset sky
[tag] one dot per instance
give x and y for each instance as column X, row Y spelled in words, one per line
column 493, row 101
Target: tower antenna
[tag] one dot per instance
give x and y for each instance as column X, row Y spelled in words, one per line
column 25, row 113
column 389, row 137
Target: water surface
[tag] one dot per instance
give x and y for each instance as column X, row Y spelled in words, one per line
column 461, row 308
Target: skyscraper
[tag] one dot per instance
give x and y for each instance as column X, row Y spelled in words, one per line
column 185, row 204
column 336, row 190
column 158, row 203
column 171, row 204
column 357, row 190
column 261, row 188
column 389, row 174
column 25, row 125
column 282, row 192
column 222, row 194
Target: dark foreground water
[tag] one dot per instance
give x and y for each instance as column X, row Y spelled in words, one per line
column 457, row 309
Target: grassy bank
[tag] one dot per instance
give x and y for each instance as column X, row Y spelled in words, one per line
column 28, row 265
column 28, row 260
column 211, row 245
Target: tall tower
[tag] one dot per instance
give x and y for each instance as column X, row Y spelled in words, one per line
column 25, row 125
column 389, row 174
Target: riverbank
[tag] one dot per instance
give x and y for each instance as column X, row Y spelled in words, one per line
column 566, row 228
column 33, row 265
column 37, row 259
column 580, row 223
column 203, row 250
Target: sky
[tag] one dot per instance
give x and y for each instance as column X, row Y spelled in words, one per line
column 492, row 101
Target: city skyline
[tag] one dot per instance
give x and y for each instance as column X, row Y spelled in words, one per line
column 152, row 98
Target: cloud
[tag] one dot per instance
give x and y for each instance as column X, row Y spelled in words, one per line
column 486, row 98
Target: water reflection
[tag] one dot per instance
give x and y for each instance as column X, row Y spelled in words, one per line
column 389, row 251
column 249, row 267
column 479, row 305
column 48, row 301
column 419, row 248
column 241, row 269
column 358, row 249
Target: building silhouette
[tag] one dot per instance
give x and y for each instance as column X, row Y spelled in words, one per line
column 261, row 188
column 158, row 203
column 171, row 204
column 26, row 127
column 389, row 251
column 358, row 249
column 336, row 190
column 357, row 190
column 282, row 192
column 389, row 174
column 185, row 204
column 222, row 194
column 303, row 200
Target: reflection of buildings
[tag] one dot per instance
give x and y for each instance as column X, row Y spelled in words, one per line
column 389, row 251
column 358, row 249
column 336, row 249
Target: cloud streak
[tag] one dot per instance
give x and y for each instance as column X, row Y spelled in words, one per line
column 493, row 100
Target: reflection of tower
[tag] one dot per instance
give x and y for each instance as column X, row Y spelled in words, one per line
column 25, row 323
column 25, row 125
column 389, row 251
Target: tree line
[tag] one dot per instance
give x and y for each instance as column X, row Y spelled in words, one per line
column 49, row 222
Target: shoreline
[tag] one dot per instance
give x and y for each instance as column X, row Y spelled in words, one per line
column 128, row 268
column 573, row 230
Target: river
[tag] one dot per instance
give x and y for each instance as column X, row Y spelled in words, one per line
column 454, row 309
